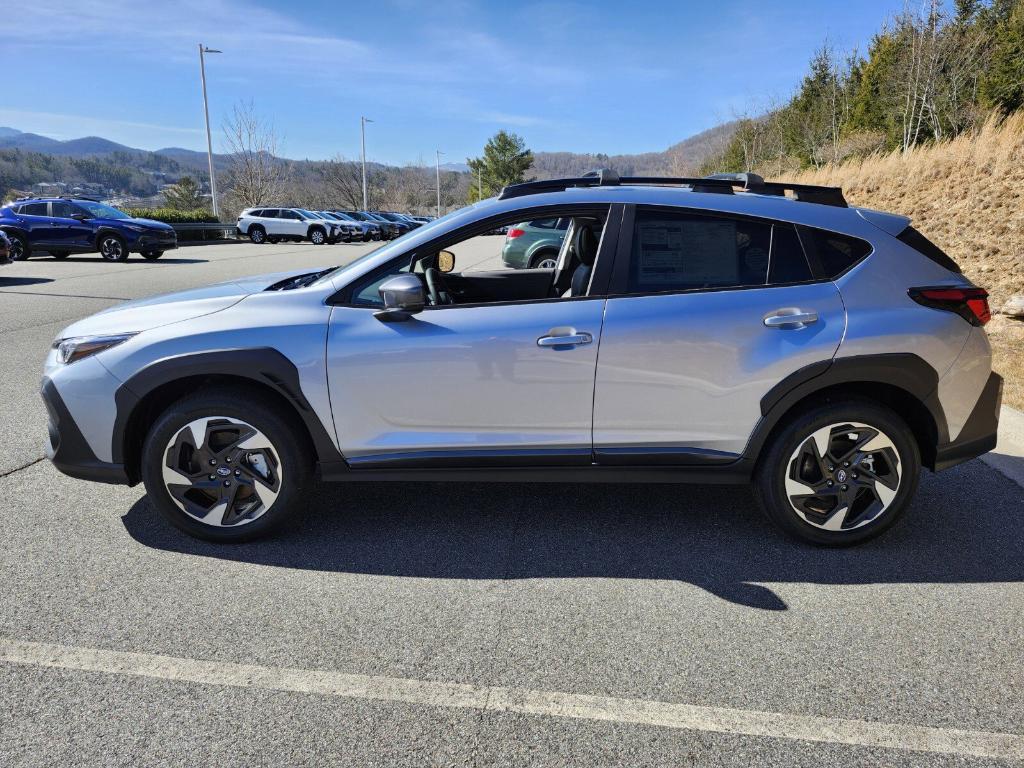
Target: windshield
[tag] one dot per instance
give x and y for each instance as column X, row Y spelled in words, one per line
column 343, row 217
column 101, row 211
column 309, row 214
column 396, row 245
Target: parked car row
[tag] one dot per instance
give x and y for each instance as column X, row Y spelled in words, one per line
column 61, row 226
column 272, row 225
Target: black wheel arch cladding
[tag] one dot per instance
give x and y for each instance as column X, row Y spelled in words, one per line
column 262, row 365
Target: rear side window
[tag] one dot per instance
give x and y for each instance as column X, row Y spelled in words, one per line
column 926, row 247
column 691, row 251
column 33, row 209
column 833, row 252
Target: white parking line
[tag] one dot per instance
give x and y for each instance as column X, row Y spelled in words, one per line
column 518, row 700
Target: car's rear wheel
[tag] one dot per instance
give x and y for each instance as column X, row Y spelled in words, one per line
column 317, row 236
column 839, row 473
column 226, row 466
column 20, row 249
column 113, row 248
column 544, row 261
column 152, row 255
column 257, row 234
column 59, row 255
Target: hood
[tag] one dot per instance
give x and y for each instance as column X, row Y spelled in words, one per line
column 152, row 223
column 167, row 308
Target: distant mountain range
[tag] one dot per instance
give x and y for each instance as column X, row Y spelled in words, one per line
column 95, row 146
column 683, row 157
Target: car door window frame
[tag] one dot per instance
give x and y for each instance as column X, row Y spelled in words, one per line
column 603, row 264
column 619, row 285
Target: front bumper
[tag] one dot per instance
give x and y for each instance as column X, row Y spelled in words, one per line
column 978, row 435
column 67, row 448
column 157, row 242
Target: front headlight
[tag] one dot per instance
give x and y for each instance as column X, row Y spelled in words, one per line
column 79, row 347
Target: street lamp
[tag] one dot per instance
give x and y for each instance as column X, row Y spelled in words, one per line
column 437, row 166
column 206, row 109
column 362, row 130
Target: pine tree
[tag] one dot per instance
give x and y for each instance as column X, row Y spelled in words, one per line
column 1002, row 86
column 505, row 161
column 185, row 195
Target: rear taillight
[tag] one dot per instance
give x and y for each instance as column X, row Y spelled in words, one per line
column 514, row 233
column 970, row 303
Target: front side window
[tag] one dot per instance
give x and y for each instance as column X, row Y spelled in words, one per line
column 694, row 251
column 62, row 209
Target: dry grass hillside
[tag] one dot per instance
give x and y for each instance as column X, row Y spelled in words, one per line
column 965, row 195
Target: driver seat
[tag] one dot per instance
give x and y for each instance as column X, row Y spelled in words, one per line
column 586, row 251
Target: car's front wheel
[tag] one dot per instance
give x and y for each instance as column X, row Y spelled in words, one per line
column 317, row 236
column 226, row 466
column 839, row 473
column 113, row 248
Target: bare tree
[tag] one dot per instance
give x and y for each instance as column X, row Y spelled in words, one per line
column 344, row 180
column 255, row 175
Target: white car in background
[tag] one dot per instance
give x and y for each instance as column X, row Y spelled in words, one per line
column 272, row 225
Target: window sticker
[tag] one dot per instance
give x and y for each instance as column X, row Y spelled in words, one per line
column 688, row 253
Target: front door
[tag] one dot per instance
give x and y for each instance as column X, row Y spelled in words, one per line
column 707, row 316
column 69, row 234
column 465, row 385
column 500, row 370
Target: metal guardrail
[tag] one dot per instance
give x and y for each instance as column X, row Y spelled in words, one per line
column 220, row 231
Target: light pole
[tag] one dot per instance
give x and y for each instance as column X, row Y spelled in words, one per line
column 206, row 110
column 437, row 167
column 362, row 129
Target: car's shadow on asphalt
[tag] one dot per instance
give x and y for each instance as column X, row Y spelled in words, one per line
column 133, row 260
column 966, row 526
column 11, row 282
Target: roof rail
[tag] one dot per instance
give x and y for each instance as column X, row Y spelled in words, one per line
column 721, row 183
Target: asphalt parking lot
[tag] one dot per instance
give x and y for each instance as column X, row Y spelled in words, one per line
column 429, row 624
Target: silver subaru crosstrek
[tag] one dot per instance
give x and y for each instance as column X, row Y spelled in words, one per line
column 723, row 329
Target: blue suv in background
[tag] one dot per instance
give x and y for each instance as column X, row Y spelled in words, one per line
column 62, row 226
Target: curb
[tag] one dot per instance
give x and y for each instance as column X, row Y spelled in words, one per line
column 1008, row 455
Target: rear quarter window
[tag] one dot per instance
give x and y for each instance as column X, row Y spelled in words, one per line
column 833, row 253
column 927, row 248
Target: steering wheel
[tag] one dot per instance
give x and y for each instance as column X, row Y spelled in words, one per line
column 437, row 289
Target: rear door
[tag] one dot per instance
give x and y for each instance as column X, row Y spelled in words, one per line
column 35, row 218
column 705, row 315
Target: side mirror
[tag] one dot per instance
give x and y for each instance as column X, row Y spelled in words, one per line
column 403, row 297
column 445, row 261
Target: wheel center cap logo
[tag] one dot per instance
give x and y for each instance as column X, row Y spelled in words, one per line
column 841, row 475
column 223, row 471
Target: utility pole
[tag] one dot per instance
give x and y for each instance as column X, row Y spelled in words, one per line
column 206, row 110
column 437, row 166
column 480, row 182
column 362, row 130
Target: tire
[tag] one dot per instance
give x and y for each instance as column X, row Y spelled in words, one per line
column 317, row 235
column 255, row 489
column 112, row 247
column 60, row 255
column 152, row 255
column 20, row 249
column 257, row 234
column 544, row 260
column 847, row 495
column 273, row 240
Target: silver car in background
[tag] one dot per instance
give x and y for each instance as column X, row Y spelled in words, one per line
column 713, row 330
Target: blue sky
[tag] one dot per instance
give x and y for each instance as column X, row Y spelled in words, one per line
column 589, row 76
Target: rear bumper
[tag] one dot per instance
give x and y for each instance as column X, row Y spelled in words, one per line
column 978, row 435
column 67, row 448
